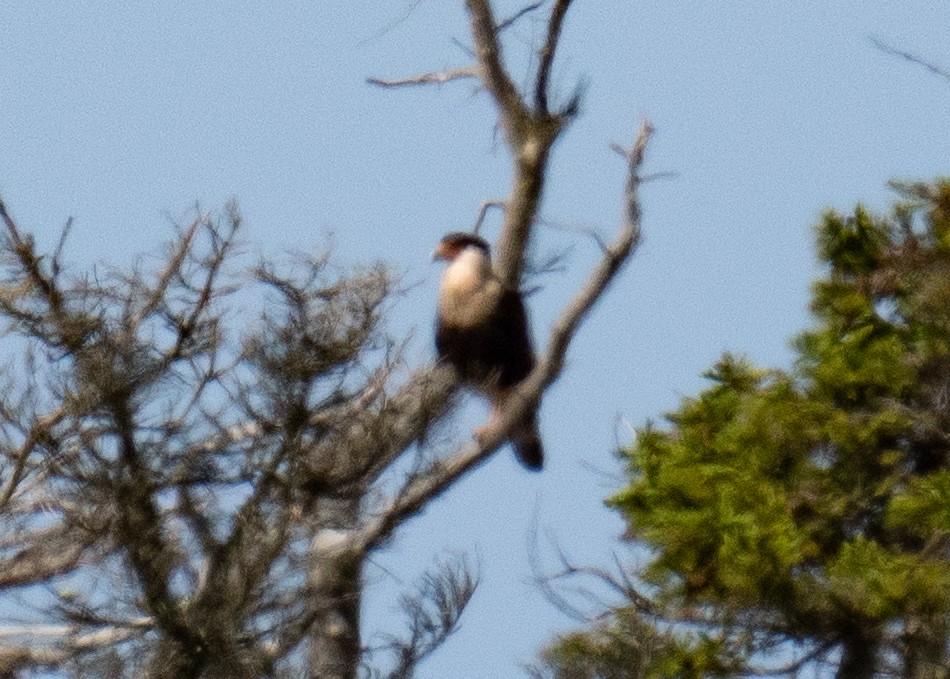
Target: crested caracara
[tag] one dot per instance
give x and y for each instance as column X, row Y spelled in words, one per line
column 482, row 330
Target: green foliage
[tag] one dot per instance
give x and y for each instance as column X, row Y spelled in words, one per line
column 713, row 501
column 812, row 506
column 624, row 649
column 628, row 647
column 923, row 508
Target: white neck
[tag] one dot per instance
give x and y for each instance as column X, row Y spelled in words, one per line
column 468, row 271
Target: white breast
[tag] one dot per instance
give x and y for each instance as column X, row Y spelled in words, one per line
column 469, row 291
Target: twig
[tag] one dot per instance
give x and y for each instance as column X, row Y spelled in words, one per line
column 23, row 249
column 510, row 21
column 913, row 58
column 66, row 647
column 46, row 554
column 176, row 259
column 391, row 25
column 56, row 263
column 433, row 78
column 37, row 434
column 590, row 232
column 483, row 210
column 614, row 257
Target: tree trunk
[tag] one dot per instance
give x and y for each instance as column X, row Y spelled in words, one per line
column 925, row 644
column 335, row 584
column 858, row 656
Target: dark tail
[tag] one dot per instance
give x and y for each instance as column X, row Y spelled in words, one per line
column 527, row 445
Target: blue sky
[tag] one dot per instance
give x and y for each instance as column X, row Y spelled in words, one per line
column 124, row 115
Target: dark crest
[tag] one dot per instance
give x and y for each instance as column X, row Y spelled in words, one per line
column 461, row 239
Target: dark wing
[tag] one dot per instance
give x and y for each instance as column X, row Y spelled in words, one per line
column 499, row 349
column 496, row 354
column 452, row 344
column 512, row 341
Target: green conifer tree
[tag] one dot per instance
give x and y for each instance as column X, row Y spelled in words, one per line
column 802, row 516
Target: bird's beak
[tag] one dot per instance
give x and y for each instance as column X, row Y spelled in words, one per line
column 438, row 253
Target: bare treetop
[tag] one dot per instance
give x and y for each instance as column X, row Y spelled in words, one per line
column 196, row 494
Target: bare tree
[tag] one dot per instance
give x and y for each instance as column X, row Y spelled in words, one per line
column 184, row 493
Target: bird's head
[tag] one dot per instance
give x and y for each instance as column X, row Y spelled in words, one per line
column 453, row 244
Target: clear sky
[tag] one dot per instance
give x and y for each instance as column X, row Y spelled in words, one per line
column 124, row 114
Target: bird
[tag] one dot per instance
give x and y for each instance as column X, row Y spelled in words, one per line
column 482, row 331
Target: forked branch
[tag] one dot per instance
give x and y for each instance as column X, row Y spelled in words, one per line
column 419, row 490
column 530, row 132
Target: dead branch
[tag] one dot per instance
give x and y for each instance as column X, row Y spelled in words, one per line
column 529, row 135
column 615, row 256
column 912, row 58
column 64, row 643
column 517, row 16
column 483, row 211
column 23, row 250
column 433, row 612
column 494, row 75
column 37, row 434
column 431, row 78
column 422, row 488
column 546, row 54
column 42, row 555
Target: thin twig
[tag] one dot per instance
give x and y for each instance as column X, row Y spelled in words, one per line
column 913, row 58
column 56, row 264
column 24, row 251
column 483, row 211
column 37, row 434
column 510, row 21
column 433, row 78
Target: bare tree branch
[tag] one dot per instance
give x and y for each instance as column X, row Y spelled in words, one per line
column 433, row 613
column 483, row 211
column 38, row 433
column 57, row 258
column 432, row 78
column 912, row 58
column 529, row 135
column 517, row 16
column 546, row 54
column 43, row 555
column 615, row 256
column 494, row 75
column 430, row 483
column 65, row 644
column 23, row 250
column 176, row 259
